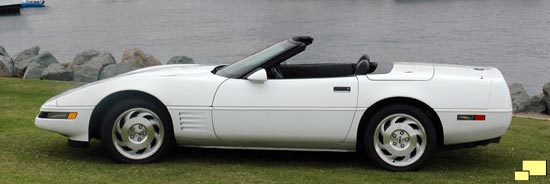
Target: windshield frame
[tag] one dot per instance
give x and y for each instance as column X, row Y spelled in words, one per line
column 244, row 66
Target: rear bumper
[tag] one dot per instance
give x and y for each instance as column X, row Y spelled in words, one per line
column 456, row 131
column 470, row 144
column 75, row 129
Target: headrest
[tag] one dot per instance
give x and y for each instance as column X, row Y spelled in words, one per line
column 363, row 65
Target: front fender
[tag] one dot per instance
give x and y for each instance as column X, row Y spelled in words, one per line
column 170, row 90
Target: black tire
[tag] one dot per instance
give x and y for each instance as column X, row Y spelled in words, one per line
column 141, row 113
column 396, row 139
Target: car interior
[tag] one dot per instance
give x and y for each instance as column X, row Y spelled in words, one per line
column 322, row 70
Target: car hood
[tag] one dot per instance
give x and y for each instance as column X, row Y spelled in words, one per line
column 154, row 71
column 170, row 70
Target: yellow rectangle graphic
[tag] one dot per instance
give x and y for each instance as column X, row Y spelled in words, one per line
column 535, row 167
column 522, row 175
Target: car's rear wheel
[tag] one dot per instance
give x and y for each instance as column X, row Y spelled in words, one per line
column 136, row 131
column 400, row 138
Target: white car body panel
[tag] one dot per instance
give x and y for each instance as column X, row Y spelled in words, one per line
column 168, row 83
column 76, row 129
column 439, row 92
column 210, row 110
column 496, row 123
column 294, row 112
column 406, row 72
column 453, row 90
column 193, row 125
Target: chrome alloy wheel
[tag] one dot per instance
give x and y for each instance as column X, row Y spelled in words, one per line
column 400, row 140
column 137, row 133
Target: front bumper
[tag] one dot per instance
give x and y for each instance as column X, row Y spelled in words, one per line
column 75, row 129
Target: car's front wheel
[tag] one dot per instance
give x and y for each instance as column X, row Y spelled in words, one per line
column 136, row 131
column 400, row 138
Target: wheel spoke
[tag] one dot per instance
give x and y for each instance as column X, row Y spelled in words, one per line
column 134, row 151
column 386, row 136
column 407, row 157
column 154, row 123
column 118, row 129
column 380, row 145
column 394, row 120
column 158, row 137
column 409, row 121
column 119, row 142
column 413, row 140
column 144, row 114
column 128, row 116
column 148, row 147
column 132, row 145
column 420, row 134
column 392, row 150
column 418, row 148
column 392, row 158
column 400, row 153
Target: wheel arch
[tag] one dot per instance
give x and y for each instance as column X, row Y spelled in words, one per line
column 103, row 106
column 430, row 112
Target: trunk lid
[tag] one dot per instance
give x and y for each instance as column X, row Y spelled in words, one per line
column 406, row 72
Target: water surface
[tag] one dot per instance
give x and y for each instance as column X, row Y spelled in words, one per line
column 513, row 35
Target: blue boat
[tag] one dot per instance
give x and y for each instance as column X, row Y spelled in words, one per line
column 33, row 4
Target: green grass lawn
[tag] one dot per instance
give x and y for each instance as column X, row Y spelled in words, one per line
column 32, row 155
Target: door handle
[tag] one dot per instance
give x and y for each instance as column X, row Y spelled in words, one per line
column 342, row 88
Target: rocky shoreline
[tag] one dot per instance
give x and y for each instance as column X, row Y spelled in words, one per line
column 93, row 65
column 524, row 103
column 87, row 66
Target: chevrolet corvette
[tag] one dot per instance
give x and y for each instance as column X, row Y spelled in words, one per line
column 396, row 114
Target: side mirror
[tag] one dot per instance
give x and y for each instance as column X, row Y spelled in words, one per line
column 258, row 76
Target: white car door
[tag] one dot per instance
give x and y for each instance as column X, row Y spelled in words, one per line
column 285, row 112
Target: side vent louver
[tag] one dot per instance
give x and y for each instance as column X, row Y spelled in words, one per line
column 193, row 121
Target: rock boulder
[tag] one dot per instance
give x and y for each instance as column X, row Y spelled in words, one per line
column 90, row 70
column 83, row 57
column 6, row 63
column 520, row 98
column 116, row 69
column 140, row 58
column 546, row 97
column 57, row 71
column 87, row 65
column 22, row 60
column 38, row 64
column 180, row 60
column 536, row 104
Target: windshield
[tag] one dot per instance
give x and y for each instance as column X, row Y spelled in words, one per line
column 247, row 64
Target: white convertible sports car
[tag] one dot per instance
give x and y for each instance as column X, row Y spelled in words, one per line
column 396, row 114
